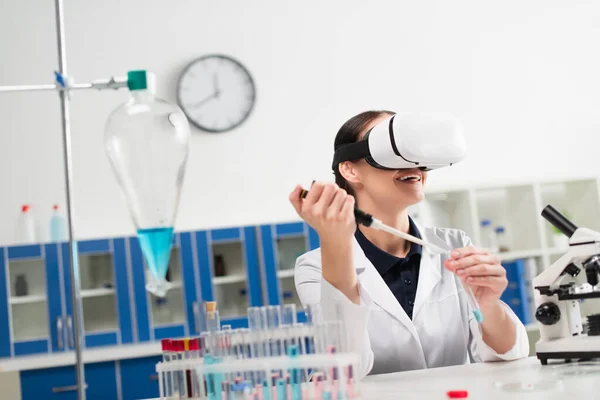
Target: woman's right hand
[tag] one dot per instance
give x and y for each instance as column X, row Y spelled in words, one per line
column 329, row 209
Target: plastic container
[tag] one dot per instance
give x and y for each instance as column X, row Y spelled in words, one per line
column 502, row 239
column 58, row 226
column 26, row 226
column 147, row 142
column 488, row 237
column 21, row 286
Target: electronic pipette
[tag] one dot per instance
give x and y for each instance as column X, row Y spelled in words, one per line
column 441, row 248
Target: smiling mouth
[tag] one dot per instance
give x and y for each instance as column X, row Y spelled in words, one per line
column 410, row 178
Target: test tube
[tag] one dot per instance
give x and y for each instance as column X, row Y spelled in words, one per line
column 273, row 317
column 189, row 348
column 350, row 385
column 180, row 375
column 205, row 343
column 167, row 375
column 194, row 353
column 213, row 322
column 289, row 316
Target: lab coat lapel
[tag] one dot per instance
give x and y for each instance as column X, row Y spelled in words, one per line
column 379, row 291
column 429, row 272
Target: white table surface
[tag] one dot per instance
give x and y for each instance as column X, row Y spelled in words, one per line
column 559, row 380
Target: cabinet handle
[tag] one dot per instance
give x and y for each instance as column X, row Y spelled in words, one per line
column 196, row 308
column 153, row 377
column 70, row 330
column 59, row 332
column 62, row 389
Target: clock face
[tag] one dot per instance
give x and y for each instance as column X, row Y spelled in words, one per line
column 216, row 93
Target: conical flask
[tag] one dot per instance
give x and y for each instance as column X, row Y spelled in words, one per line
column 147, row 141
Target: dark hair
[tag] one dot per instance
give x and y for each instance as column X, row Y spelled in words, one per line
column 349, row 133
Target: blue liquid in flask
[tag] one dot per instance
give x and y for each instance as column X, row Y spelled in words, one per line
column 156, row 245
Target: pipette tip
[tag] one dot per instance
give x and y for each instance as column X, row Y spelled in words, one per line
column 478, row 315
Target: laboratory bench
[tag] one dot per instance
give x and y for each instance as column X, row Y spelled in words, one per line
column 520, row 379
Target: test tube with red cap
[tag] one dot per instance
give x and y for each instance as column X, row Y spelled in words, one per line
column 167, row 354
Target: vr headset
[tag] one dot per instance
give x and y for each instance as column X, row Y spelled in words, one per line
column 410, row 140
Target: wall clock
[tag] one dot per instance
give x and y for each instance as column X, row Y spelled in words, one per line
column 216, row 92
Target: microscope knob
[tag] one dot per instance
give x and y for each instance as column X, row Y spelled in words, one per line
column 548, row 313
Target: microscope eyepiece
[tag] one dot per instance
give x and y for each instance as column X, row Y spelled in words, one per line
column 561, row 222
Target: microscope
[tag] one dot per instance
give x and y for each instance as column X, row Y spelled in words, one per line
column 557, row 296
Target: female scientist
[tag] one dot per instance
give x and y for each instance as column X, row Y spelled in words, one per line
column 403, row 306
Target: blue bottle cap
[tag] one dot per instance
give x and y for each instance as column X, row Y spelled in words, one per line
column 486, row 222
column 499, row 229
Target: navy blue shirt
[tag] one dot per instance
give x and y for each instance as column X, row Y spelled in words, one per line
column 400, row 274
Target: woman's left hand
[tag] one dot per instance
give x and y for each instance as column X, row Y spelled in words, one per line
column 480, row 270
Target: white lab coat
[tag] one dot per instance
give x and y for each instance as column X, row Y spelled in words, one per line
column 442, row 332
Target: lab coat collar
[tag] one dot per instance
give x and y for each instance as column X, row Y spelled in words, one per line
column 371, row 280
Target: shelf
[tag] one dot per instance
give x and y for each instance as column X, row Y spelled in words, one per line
column 515, row 209
column 558, row 251
column 97, row 292
column 232, row 256
column 30, row 321
column 96, row 269
column 288, row 249
column 228, row 279
column 515, row 255
column 30, row 272
column 177, row 284
column 99, row 313
column 170, row 310
column 286, row 273
column 34, row 298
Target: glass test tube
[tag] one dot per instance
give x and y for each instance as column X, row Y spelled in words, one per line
column 167, row 375
column 273, row 317
column 194, row 354
column 289, row 314
column 253, row 318
column 179, row 374
column 213, row 322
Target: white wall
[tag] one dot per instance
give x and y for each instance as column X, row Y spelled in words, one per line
column 518, row 73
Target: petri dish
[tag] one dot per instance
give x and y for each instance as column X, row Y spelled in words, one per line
column 529, row 386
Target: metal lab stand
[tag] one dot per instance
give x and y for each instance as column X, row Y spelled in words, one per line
column 63, row 85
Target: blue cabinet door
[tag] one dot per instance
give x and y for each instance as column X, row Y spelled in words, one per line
column 35, row 310
column 236, row 286
column 139, row 379
column 61, row 383
column 53, row 383
column 5, row 346
column 101, row 290
column 281, row 245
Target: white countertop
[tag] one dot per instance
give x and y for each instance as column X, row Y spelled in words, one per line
column 97, row 354
column 489, row 381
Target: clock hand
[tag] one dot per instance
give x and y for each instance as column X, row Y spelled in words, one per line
column 215, row 82
column 205, row 100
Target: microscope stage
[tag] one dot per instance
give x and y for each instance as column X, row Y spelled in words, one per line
column 580, row 347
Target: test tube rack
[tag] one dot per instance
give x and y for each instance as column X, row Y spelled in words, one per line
column 292, row 361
